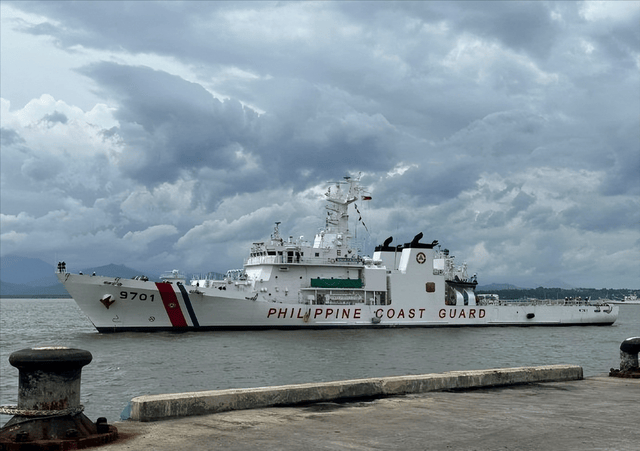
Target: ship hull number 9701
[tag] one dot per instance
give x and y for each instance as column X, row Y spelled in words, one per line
column 133, row 295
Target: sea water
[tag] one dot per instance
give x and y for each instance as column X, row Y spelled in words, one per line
column 126, row 365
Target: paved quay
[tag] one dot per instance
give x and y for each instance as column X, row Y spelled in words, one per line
column 596, row 413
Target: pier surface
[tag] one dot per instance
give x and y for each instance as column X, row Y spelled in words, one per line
column 593, row 413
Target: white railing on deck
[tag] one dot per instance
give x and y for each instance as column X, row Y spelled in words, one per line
column 537, row 302
column 284, row 260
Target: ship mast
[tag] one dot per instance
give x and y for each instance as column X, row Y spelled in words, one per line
column 338, row 200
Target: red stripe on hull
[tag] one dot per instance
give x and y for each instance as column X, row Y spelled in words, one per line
column 171, row 304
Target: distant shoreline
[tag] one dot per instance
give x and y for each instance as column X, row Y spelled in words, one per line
column 35, row 296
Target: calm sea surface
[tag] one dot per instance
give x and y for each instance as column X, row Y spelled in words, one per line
column 132, row 364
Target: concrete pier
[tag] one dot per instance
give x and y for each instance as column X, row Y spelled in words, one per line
column 587, row 414
column 159, row 407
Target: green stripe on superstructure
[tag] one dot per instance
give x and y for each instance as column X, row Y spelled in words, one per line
column 336, row 283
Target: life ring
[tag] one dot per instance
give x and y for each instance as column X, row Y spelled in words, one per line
column 332, row 260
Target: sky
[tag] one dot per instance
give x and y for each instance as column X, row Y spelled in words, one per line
column 164, row 135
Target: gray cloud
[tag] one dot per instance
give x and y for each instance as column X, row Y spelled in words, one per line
column 507, row 130
column 55, row 117
column 10, row 137
column 172, row 125
column 179, row 126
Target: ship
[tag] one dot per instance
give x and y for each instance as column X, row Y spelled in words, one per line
column 631, row 299
column 288, row 283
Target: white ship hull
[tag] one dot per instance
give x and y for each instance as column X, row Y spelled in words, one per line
column 288, row 284
column 140, row 306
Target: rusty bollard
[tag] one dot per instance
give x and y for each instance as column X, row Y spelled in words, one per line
column 628, row 359
column 49, row 414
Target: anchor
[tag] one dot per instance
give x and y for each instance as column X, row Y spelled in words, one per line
column 107, row 301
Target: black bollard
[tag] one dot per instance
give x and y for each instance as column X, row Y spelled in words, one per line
column 629, row 354
column 49, row 414
column 628, row 359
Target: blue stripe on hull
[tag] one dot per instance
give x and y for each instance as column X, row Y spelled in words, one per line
column 187, row 302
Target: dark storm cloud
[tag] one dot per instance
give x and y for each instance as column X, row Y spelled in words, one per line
column 310, row 133
column 41, row 168
column 406, row 86
column 521, row 203
column 90, row 23
column 414, row 98
column 9, row 137
column 621, row 45
column 542, row 218
column 526, row 26
column 624, row 175
column 610, row 216
column 172, row 125
column 507, row 134
column 521, row 26
column 427, row 184
column 55, row 117
column 188, row 31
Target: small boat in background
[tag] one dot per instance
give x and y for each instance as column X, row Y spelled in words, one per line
column 631, row 299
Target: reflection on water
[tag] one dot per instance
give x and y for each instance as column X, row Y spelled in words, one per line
column 132, row 364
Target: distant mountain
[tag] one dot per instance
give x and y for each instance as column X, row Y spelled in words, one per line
column 557, row 283
column 29, row 271
column 497, row 286
column 553, row 283
column 8, row 289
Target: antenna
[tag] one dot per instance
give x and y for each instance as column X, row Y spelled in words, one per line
column 276, row 231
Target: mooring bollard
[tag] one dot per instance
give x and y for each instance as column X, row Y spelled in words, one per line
column 629, row 354
column 49, row 414
column 628, row 359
